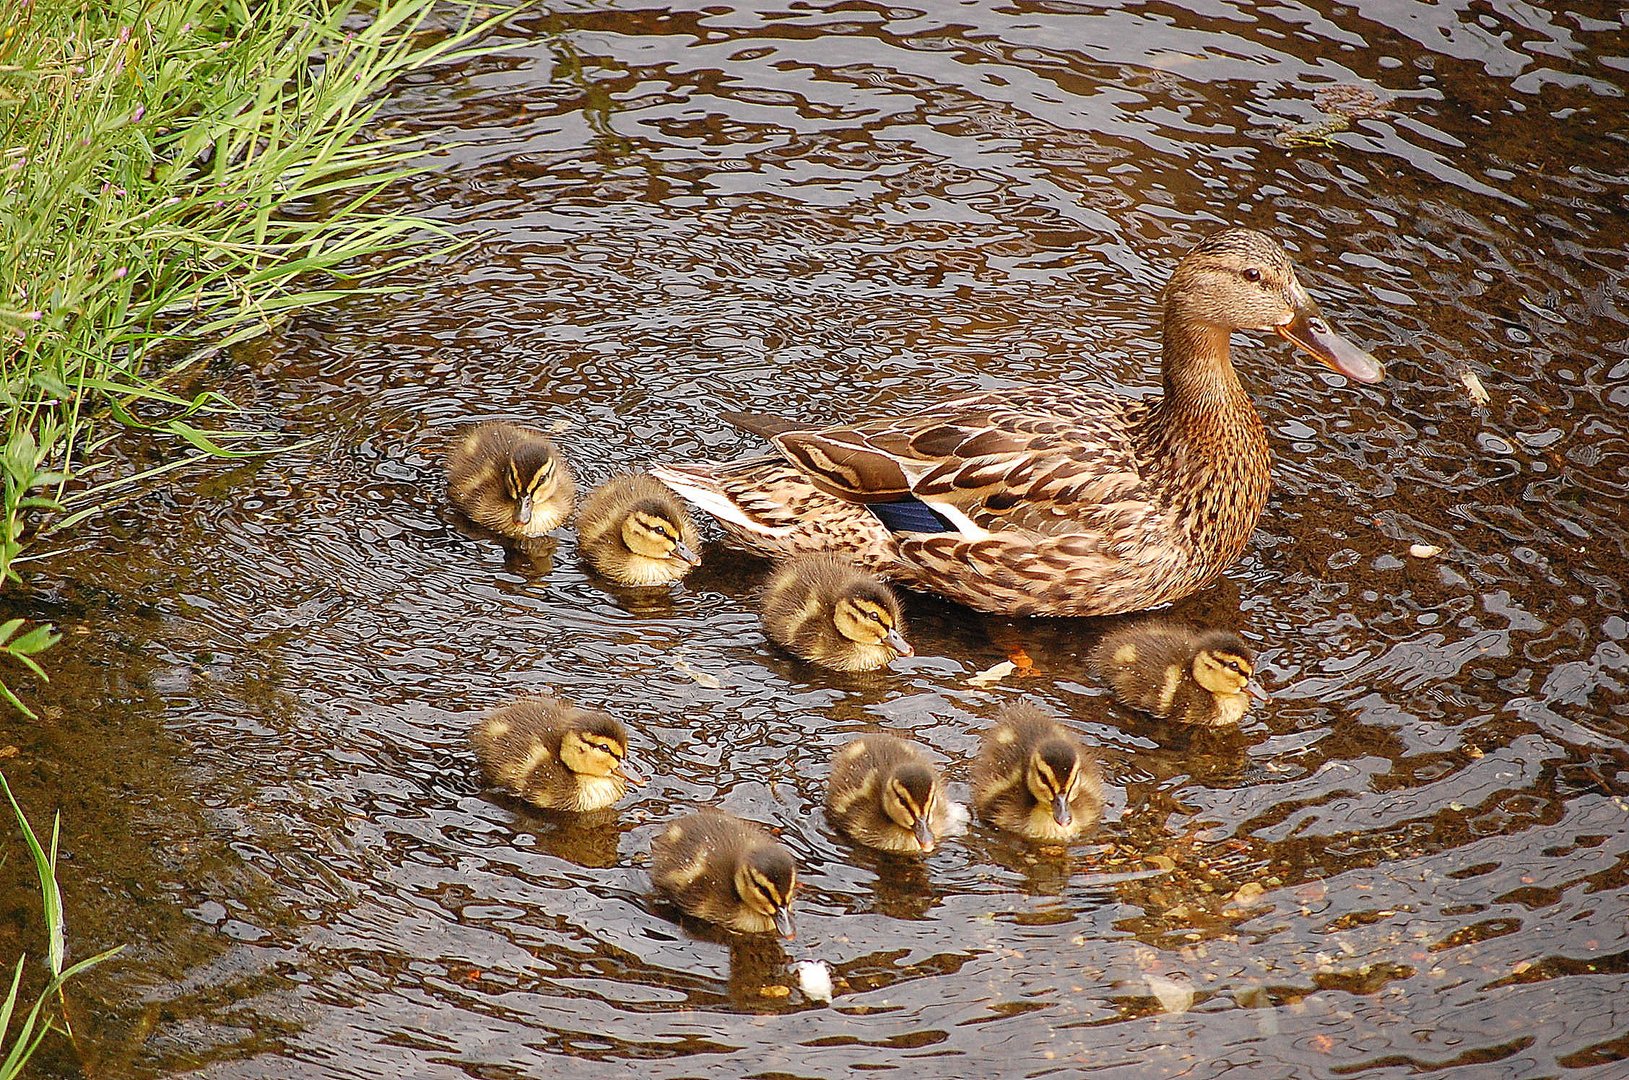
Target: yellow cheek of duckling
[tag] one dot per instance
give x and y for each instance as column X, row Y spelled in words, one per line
column 857, row 620
column 649, row 536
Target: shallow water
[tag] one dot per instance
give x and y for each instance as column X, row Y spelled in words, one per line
column 256, row 730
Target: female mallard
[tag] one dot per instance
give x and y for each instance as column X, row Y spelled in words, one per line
column 554, row 755
column 1034, row 778
column 883, row 793
column 717, row 867
column 509, row 479
column 1048, row 500
column 633, row 531
column 1175, row 672
column 822, row 609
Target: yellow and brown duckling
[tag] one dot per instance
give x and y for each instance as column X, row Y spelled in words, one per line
column 554, row 755
column 822, row 609
column 716, row 867
column 1179, row 673
column 634, row 531
column 1034, row 778
column 510, row 479
column 884, row 793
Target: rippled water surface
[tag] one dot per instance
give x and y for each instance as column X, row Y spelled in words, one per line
column 1413, row 861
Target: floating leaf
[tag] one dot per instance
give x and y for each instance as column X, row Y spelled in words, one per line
column 993, row 674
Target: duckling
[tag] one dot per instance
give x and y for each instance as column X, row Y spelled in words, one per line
column 719, row 868
column 1034, row 778
column 1175, row 672
column 883, row 793
column 822, row 609
column 554, row 755
column 509, row 479
column 633, row 531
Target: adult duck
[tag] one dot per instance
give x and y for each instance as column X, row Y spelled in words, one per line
column 1048, row 500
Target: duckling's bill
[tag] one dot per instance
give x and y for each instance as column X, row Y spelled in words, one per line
column 784, row 924
column 1311, row 332
column 896, row 641
column 1061, row 813
column 924, row 832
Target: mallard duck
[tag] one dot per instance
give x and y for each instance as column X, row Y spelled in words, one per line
column 718, row 868
column 633, row 531
column 1034, row 778
column 1178, row 673
column 509, row 479
column 822, row 609
column 554, row 755
column 883, row 793
column 1047, row 500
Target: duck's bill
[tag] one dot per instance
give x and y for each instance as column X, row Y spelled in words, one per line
column 896, row 641
column 1311, row 332
column 1257, row 692
column 633, row 778
column 784, row 926
column 523, row 510
column 684, row 553
column 924, row 833
column 1060, row 810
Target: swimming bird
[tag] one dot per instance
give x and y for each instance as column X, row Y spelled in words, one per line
column 1051, row 499
column 716, row 867
column 509, row 479
column 884, row 793
column 1034, row 778
column 1179, row 673
column 822, row 609
column 635, row 532
column 553, row 754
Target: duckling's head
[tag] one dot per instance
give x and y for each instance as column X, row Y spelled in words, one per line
column 651, row 529
column 1223, row 664
column 595, row 745
column 1053, row 774
column 1240, row 279
column 765, row 881
column 866, row 612
column 531, row 476
column 908, row 797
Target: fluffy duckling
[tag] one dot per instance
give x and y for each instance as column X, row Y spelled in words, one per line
column 633, row 531
column 724, row 870
column 883, row 793
column 1178, row 673
column 1034, row 778
column 554, row 755
column 509, row 479
column 822, row 609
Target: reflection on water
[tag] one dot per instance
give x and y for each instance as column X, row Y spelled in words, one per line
column 1412, row 860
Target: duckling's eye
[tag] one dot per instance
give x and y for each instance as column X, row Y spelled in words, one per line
column 1252, row 274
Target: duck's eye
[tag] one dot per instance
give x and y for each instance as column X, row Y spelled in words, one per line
column 1252, row 274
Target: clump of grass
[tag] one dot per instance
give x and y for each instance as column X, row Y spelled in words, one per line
column 20, row 1045
column 175, row 177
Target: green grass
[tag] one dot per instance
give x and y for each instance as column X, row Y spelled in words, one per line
column 19, row 1044
column 176, row 176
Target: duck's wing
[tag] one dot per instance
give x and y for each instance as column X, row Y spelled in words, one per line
column 1049, row 460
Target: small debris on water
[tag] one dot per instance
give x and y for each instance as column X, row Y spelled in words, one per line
column 1474, row 387
column 1424, row 551
column 993, row 674
column 1174, row 995
column 814, row 979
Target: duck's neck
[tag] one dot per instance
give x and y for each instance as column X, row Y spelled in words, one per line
column 1203, row 446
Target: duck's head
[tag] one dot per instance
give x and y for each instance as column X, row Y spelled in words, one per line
column 652, row 529
column 765, row 881
column 595, row 744
column 908, row 798
column 1053, row 775
column 1240, row 279
column 868, row 613
column 532, row 476
column 1224, row 665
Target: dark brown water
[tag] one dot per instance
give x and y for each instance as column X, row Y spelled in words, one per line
column 256, row 729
